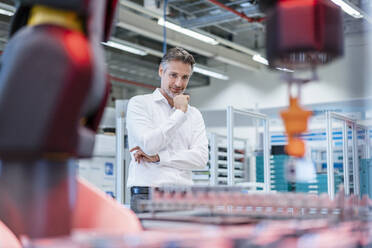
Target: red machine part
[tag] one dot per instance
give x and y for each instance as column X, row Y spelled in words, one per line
column 303, row 34
column 49, row 113
column 78, row 81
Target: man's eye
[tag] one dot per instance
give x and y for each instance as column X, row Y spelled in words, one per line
column 173, row 75
column 185, row 77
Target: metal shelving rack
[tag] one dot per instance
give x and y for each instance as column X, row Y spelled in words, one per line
column 231, row 112
column 339, row 164
column 215, row 173
column 347, row 122
column 225, row 151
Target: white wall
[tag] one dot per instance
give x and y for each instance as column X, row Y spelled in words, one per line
column 344, row 79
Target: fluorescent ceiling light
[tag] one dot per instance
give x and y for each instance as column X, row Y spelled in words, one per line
column 208, row 72
column 215, row 12
column 6, row 12
column 348, row 8
column 258, row 58
column 284, row 69
column 125, row 48
column 247, row 4
column 188, row 32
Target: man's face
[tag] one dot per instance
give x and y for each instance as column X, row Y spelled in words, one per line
column 175, row 77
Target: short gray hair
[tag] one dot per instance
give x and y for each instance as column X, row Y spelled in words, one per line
column 178, row 54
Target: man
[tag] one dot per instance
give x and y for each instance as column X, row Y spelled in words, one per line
column 166, row 135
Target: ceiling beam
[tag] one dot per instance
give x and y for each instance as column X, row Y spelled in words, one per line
column 149, row 28
column 209, row 20
column 182, row 10
column 214, row 7
column 153, row 14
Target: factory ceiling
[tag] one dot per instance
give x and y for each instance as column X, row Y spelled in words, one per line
column 236, row 26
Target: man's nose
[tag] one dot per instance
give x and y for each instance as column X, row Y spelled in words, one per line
column 178, row 82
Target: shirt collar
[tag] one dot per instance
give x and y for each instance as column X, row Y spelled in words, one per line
column 158, row 96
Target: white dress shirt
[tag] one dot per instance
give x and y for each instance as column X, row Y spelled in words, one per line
column 178, row 138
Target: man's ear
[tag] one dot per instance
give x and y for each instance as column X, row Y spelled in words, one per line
column 160, row 70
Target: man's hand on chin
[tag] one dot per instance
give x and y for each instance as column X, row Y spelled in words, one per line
column 139, row 156
column 181, row 102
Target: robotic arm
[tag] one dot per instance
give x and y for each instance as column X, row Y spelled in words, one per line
column 53, row 89
column 301, row 35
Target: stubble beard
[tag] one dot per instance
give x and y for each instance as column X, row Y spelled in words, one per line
column 171, row 94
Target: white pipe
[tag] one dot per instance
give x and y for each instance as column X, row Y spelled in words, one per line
column 330, row 168
column 119, row 183
column 230, row 145
column 345, row 150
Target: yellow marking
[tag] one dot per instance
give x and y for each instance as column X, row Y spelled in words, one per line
column 45, row 15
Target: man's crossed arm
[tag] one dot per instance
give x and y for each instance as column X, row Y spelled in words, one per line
column 140, row 155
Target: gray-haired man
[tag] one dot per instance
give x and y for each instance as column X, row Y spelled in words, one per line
column 166, row 135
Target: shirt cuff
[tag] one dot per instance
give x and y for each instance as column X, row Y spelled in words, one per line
column 164, row 157
column 178, row 117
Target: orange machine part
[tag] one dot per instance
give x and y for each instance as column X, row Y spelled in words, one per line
column 295, row 147
column 295, row 121
column 100, row 213
column 8, row 238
